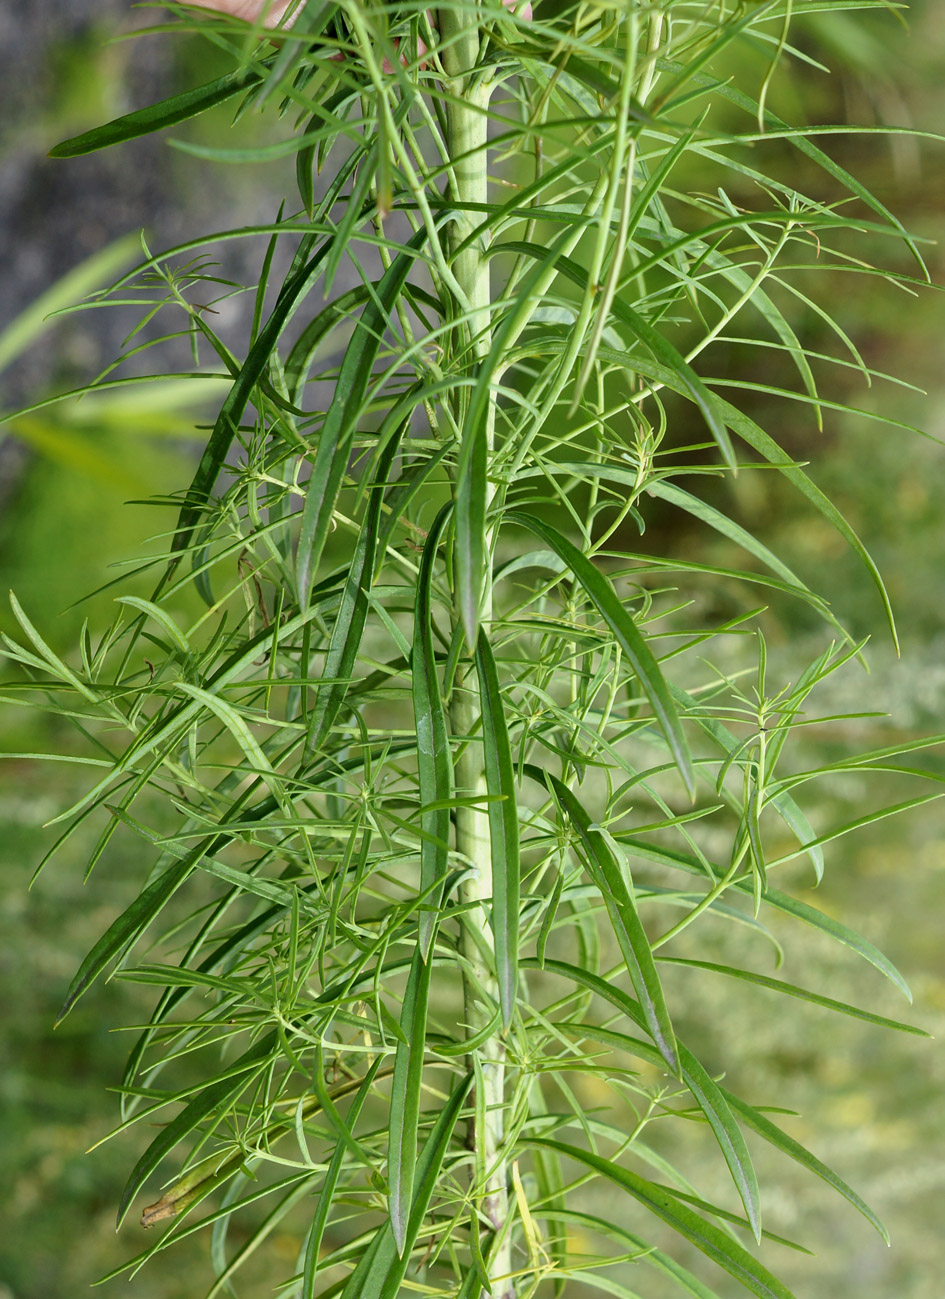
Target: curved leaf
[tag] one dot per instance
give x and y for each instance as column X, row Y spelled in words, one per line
column 711, row 1240
column 341, row 421
column 434, row 759
column 503, row 828
column 617, row 892
column 706, row 1093
column 640, row 657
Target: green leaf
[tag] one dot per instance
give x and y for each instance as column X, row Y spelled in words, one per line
column 348, row 629
column 706, row 1093
column 341, row 422
column 783, row 803
column 685, row 379
column 835, row 929
column 406, row 1090
column 503, row 828
column 382, row 1266
column 210, row 1101
column 612, row 878
column 840, row 932
column 144, row 121
column 132, row 922
column 792, row 990
column 326, row 1195
column 781, row 1141
column 472, row 467
column 434, row 760
column 711, row 1240
column 649, row 1255
column 233, row 408
column 640, row 657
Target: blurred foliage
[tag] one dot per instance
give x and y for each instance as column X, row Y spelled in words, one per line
column 879, row 1096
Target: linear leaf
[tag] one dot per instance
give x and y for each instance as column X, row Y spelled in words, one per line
column 686, row 379
column 472, row 466
column 405, row 1097
column 132, row 922
column 231, row 412
column 772, row 1133
column 382, row 1267
column 783, row 803
column 341, row 421
column 144, row 121
column 210, row 1100
column 706, row 1093
column 348, row 629
column 617, row 892
column 434, row 760
column 648, row 1254
column 503, row 828
column 792, row 990
column 835, row 929
column 326, row 1194
column 604, row 597
column 711, row 1240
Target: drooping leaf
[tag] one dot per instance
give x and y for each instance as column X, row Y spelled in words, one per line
column 352, row 611
column 382, row 1266
column 705, row 1091
column 792, row 990
column 631, row 641
column 713, row 1242
column 210, row 1101
column 341, row 422
column 406, row 1092
column 503, row 828
column 434, row 759
column 617, row 891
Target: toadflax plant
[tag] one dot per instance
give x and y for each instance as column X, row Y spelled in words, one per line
column 439, row 781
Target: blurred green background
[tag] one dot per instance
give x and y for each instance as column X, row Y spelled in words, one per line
column 871, row 1102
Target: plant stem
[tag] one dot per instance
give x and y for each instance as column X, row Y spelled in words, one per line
column 467, row 146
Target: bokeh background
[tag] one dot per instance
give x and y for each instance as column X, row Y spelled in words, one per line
column 873, row 1103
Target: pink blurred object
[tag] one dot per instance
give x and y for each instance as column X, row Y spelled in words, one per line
column 251, row 10
column 273, row 11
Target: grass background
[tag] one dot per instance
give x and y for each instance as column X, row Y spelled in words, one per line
column 870, row 1101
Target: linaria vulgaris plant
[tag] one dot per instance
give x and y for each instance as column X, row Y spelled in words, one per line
column 443, row 781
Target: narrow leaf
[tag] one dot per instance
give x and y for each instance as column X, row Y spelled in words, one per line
column 685, row 379
column 132, row 922
column 382, row 1267
column 210, row 1101
column 503, row 828
column 706, row 1093
column 352, row 611
column 472, row 467
column 792, row 990
column 434, row 760
column 405, row 1097
column 711, row 1240
column 326, row 1195
column 772, row 1133
column 617, row 892
column 640, row 657
column 341, row 421
column 231, row 412
column 144, row 121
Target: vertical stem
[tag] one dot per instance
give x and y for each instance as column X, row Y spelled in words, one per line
column 467, row 146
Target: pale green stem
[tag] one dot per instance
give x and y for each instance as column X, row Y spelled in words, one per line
column 467, row 145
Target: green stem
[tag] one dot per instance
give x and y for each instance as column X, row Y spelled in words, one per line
column 467, row 146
